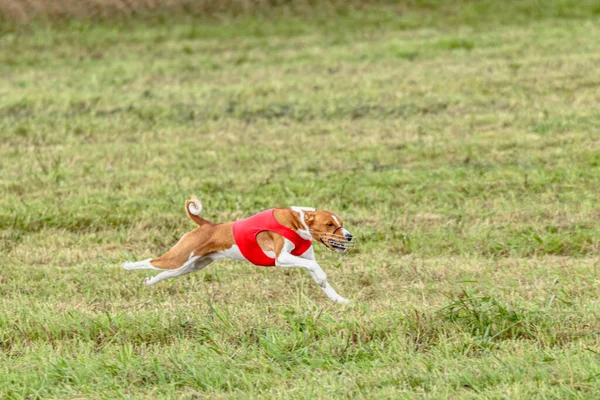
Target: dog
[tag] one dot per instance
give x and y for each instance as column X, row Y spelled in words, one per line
column 281, row 237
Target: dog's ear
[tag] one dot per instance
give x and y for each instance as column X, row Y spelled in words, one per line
column 309, row 217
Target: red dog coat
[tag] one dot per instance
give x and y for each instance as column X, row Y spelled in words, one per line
column 245, row 231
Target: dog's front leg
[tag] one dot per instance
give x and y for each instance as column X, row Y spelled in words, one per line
column 287, row 260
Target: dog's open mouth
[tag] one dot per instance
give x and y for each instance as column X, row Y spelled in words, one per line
column 337, row 245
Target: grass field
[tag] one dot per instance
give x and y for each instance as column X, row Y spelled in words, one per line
column 460, row 145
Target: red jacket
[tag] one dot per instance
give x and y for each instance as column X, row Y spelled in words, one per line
column 245, row 231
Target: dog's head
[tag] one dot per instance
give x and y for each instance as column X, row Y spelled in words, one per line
column 328, row 228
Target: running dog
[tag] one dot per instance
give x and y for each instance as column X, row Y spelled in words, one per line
column 279, row 237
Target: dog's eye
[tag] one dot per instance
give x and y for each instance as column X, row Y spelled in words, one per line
column 330, row 224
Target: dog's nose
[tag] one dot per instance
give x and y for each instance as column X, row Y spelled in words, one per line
column 349, row 236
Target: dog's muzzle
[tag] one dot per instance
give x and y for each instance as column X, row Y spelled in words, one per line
column 336, row 242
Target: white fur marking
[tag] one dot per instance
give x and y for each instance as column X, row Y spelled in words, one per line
column 304, row 233
column 269, row 253
column 233, row 253
column 195, row 206
column 288, row 246
column 144, row 264
column 336, row 220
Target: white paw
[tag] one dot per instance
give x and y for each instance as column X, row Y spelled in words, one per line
column 148, row 281
column 342, row 300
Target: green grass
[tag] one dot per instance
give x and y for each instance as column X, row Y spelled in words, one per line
column 463, row 151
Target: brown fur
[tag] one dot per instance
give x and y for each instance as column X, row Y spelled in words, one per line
column 210, row 238
column 205, row 239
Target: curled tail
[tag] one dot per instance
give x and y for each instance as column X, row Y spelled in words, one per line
column 193, row 208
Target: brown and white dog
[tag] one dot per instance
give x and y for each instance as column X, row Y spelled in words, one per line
column 287, row 231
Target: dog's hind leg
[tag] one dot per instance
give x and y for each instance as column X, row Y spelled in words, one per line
column 192, row 265
column 145, row 264
column 173, row 259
